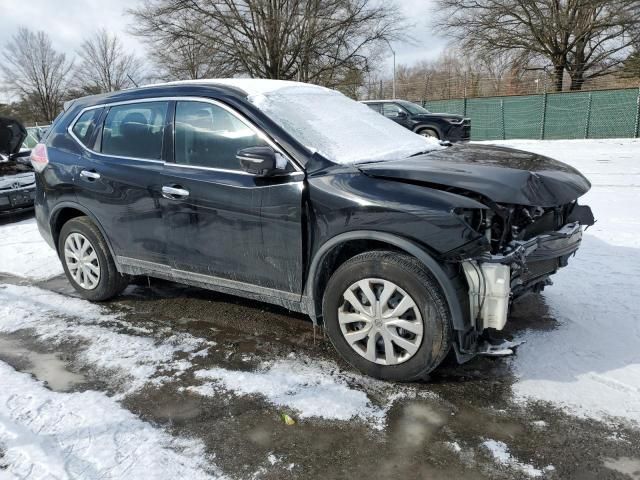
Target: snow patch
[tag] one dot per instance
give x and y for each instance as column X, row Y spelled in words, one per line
column 24, row 253
column 500, row 453
column 86, row 435
column 55, row 318
column 311, row 390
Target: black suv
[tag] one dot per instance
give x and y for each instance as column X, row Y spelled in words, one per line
column 443, row 126
column 296, row 195
column 17, row 181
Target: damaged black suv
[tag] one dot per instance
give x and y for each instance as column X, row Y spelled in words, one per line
column 293, row 194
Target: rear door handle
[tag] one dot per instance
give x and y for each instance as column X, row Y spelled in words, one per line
column 175, row 192
column 89, row 175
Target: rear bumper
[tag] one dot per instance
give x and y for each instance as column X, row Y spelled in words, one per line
column 16, row 200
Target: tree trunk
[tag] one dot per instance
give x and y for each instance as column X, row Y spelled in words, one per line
column 577, row 81
column 558, row 74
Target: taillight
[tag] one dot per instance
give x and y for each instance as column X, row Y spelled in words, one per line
column 39, row 157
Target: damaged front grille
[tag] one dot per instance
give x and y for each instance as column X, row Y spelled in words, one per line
column 517, row 223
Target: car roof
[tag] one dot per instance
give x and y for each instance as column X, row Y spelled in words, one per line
column 234, row 86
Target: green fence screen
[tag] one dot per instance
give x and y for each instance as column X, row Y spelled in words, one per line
column 596, row 114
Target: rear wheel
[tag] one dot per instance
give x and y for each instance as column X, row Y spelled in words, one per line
column 386, row 315
column 87, row 261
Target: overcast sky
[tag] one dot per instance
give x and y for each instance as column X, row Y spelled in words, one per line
column 69, row 21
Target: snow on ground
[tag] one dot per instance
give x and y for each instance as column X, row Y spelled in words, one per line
column 302, row 386
column 53, row 318
column 310, row 389
column 500, row 453
column 87, row 435
column 24, row 253
column 590, row 364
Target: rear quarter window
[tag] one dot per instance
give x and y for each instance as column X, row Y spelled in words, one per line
column 84, row 127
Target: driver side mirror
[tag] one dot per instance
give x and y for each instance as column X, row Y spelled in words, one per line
column 260, row 161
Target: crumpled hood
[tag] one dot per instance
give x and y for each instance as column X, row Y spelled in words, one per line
column 503, row 175
column 12, row 134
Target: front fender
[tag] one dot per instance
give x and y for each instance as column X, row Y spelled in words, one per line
column 458, row 318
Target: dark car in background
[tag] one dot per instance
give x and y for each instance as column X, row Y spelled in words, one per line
column 293, row 194
column 17, row 180
column 443, row 126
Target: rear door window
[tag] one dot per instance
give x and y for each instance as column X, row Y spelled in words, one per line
column 135, row 130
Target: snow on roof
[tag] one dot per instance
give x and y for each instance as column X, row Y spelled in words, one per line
column 251, row 86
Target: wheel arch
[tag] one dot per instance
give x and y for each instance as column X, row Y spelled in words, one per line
column 65, row 211
column 320, row 270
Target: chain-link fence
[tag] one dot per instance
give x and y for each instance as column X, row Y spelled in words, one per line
column 596, row 114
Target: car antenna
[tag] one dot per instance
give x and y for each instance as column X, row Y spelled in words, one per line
column 132, row 80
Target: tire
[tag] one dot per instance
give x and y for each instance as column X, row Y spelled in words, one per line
column 428, row 132
column 411, row 279
column 109, row 281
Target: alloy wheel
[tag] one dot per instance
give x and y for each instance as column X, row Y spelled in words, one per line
column 82, row 261
column 380, row 321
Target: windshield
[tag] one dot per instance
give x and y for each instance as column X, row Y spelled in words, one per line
column 341, row 129
column 414, row 108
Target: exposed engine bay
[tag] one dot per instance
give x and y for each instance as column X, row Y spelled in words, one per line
column 523, row 246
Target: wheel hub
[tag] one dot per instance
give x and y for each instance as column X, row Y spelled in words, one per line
column 380, row 321
column 82, row 261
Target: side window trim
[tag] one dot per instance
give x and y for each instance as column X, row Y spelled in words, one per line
column 173, row 99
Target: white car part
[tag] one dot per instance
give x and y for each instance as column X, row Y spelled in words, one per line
column 489, row 288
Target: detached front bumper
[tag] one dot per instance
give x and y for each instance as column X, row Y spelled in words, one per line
column 496, row 280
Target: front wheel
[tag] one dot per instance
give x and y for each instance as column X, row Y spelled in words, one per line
column 387, row 316
column 87, row 261
column 428, row 132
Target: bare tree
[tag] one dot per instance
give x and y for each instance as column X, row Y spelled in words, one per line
column 105, row 65
column 33, row 70
column 320, row 41
column 587, row 38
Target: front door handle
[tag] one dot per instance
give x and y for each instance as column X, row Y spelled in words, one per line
column 89, row 175
column 175, row 192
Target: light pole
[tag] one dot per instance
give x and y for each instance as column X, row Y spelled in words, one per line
column 394, row 69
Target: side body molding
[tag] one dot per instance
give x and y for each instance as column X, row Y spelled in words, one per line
column 457, row 316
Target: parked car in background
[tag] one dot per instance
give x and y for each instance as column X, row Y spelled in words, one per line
column 34, row 135
column 294, row 194
column 443, row 126
column 17, row 180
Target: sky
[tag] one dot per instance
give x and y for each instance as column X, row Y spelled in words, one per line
column 69, row 21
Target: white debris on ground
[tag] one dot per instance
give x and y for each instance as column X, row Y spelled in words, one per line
column 46, row 434
column 590, row 364
column 24, row 253
column 500, row 453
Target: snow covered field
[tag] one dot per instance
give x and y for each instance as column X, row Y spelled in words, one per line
column 589, row 365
